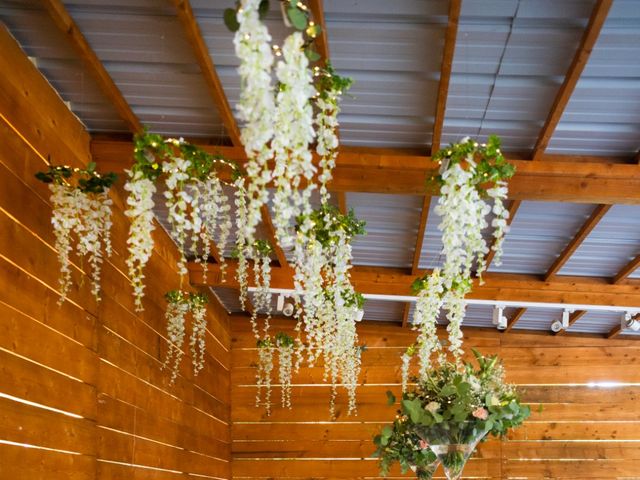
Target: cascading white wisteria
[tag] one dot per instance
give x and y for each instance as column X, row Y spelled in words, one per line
column 256, row 110
column 293, row 134
column 501, row 216
column 262, row 295
column 178, row 201
column 67, row 206
column 285, row 370
column 139, row 241
column 215, row 216
column 327, row 138
column 425, row 321
column 93, row 238
column 197, row 341
column 263, row 378
column 175, row 316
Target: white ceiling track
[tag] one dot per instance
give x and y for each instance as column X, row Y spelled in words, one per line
column 490, row 303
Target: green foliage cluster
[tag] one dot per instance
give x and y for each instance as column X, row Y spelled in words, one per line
column 351, row 298
column 329, row 81
column 491, row 166
column 328, row 221
column 194, row 299
column 283, row 340
column 87, row 180
column 151, row 149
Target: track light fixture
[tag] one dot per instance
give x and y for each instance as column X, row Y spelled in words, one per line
column 359, row 315
column 499, row 320
column 629, row 320
column 286, row 307
column 563, row 324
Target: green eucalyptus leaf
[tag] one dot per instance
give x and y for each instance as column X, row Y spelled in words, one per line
column 91, row 167
column 311, row 54
column 391, row 398
column 297, row 18
column 263, row 9
column 231, row 20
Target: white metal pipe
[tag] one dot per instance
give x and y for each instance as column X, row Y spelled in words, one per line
column 472, row 301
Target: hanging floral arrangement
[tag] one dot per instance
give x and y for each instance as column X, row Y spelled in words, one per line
column 81, row 207
column 179, row 305
column 199, row 211
column 470, row 176
column 322, row 262
column 449, row 411
column 263, row 376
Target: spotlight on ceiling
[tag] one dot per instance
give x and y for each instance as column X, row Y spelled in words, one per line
column 563, row 324
column 556, row 326
column 359, row 315
column 286, row 307
column 629, row 320
column 499, row 320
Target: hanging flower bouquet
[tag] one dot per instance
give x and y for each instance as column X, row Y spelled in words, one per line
column 81, row 205
column 180, row 304
column 198, row 208
column 451, row 410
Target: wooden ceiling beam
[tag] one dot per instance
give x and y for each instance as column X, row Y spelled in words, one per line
column 614, row 332
column 322, row 41
column 407, row 174
column 598, row 213
column 589, row 38
column 496, row 287
column 514, row 319
column 201, row 52
column 627, row 270
column 67, row 25
column 417, row 251
column 445, row 72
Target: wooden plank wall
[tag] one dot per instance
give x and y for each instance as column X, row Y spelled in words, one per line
column 82, row 393
column 584, row 431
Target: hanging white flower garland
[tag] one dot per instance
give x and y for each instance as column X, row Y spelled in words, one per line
column 463, row 209
column 179, row 305
column 81, row 208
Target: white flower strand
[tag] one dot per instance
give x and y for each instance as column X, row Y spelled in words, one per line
column 327, row 138
column 175, row 316
column 293, row 134
column 425, row 321
column 265, row 367
column 501, row 217
column 285, row 369
column 139, row 241
column 256, row 109
column 178, row 201
column 404, row 370
column 197, row 341
column 67, row 204
column 215, row 209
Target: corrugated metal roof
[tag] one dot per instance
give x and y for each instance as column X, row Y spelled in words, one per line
column 538, row 234
column 612, row 244
column 59, row 63
column 392, row 225
column 603, row 114
column 510, row 59
column 379, row 311
column 538, row 319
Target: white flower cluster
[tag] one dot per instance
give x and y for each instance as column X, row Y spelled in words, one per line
column 501, row 217
column 293, row 134
column 197, row 341
column 327, row 138
column 180, row 304
column 285, row 370
column 88, row 216
column 262, row 296
column 175, row 315
column 265, row 367
column 178, row 201
column 404, row 369
column 425, row 321
column 256, row 109
column 140, row 242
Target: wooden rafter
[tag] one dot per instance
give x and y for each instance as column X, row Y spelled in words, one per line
column 497, row 286
column 417, row 251
column 445, row 72
column 513, row 209
column 342, row 202
column 66, row 24
column 591, row 33
column 573, row 318
column 514, row 319
column 322, row 41
column 604, row 183
column 598, row 213
column 271, row 232
column 627, row 270
column 201, row 51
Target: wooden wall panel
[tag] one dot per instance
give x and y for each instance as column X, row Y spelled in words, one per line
column 82, row 391
column 584, row 431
